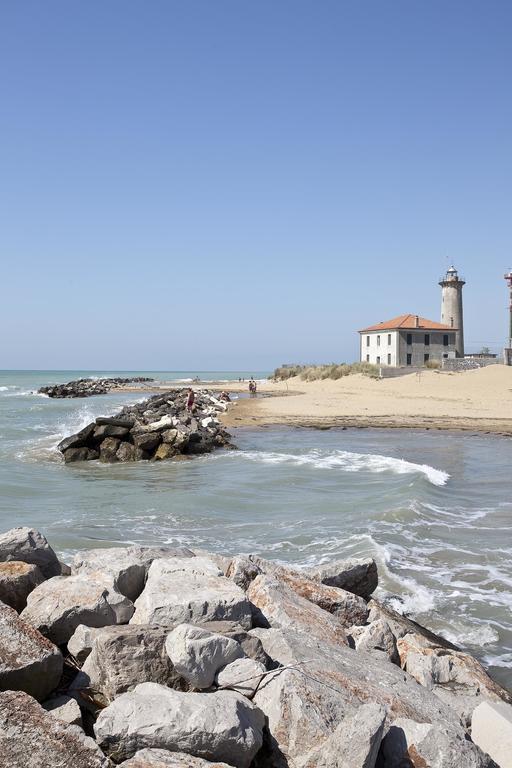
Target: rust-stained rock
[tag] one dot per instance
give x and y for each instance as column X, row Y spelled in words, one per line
column 281, row 607
column 456, row 677
column 161, row 758
column 306, row 704
column 17, row 580
column 30, row 737
column 28, row 661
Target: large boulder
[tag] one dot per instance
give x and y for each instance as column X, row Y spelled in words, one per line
column 162, row 758
column 190, row 590
column 491, row 729
column 126, row 567
column 198, row 654
column 28, row 661
column 418, row 744
column 27, row 545
column 17, row 580
column 220, row 726
column 57, row 606
column 456, row 677
column 30, row 737
column 322, row 685
column 348, row 608
column 124, row 656
column 355, row 742
column 280, row 606
column 358, row 575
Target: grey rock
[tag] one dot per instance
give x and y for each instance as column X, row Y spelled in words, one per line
column 109, row 430
column 80, row 642
column 124, row 656
column 251, row 645
column 28, row 661
column 108, row 449
column 356, row 575
column 242, row 570
column 220, row 726
column 126, row 452
column 242, row 675
column 456, row 677
column 376, row 636
column 115, row 422
column 401, row 625
column 197, row 654
column 147, row 441
column 80, row 454
column 169, row 436
column 354, row 744
column 57, row 606
column 124, row 567
column 64, row 708
column 17, row 580
column 30, row 737
column 29, row 546
column 280, row 606
column 78, row 440
column 305, row 704
column 162, row 758
column 190, row 590
column 410, row 743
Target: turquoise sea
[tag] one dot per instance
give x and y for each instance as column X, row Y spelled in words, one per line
column 434, row 509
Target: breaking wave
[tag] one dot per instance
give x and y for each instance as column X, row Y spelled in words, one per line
column 351, row 462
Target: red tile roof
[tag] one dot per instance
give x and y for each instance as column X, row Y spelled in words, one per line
column 409, row 322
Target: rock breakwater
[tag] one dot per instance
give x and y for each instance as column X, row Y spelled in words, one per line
column 161, row 427
column 89, row 387
column 217, row 661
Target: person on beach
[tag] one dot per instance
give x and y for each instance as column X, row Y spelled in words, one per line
column 190, row 399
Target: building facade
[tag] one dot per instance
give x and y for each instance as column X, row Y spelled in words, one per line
column 407, row 340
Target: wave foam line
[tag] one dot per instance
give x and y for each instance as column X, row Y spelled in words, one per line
column 351, row 462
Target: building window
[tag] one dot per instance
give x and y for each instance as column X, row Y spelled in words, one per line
column 445, row 340
column 389, row 339
column 378, row 341
column 427, row 339
column 445, row 356
column 409, row 341
column 426, row 358
column 409, row 358
column 378, row 360
column 367, row 358
column 367, row 341
column 389, row 359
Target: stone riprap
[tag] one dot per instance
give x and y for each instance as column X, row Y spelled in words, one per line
column 88, row 387
column 170, row 658
column 161, row 427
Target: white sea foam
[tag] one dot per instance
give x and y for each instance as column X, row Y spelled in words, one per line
column 351, row 462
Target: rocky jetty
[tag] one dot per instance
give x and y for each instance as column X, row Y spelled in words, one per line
column 154, row 657
column 161, row 427
column 89, row 387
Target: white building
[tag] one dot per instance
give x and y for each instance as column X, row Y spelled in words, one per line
column 407, row 340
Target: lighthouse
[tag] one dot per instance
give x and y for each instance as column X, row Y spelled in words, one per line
column 451, row 306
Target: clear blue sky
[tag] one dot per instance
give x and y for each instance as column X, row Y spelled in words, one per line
column 234, row 184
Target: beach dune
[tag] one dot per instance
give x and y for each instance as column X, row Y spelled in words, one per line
column 471, row 400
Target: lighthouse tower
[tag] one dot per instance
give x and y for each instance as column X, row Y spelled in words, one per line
column 451, row 306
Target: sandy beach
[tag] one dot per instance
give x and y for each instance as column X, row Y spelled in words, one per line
column 478, row 400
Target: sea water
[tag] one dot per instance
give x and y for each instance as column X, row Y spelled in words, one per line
column 433, row 508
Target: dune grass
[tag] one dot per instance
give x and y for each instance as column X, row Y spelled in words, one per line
column 331, row 371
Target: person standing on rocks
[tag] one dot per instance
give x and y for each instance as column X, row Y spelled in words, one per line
column 190, row 399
